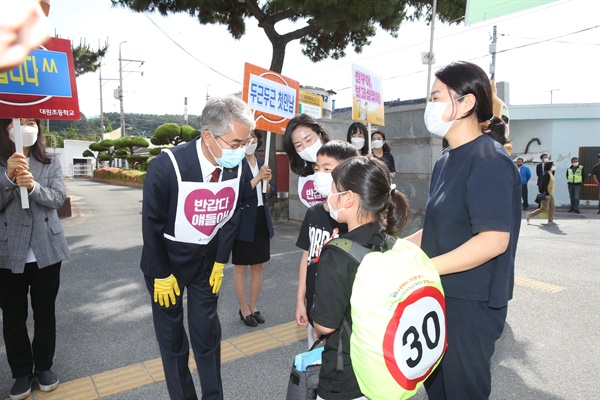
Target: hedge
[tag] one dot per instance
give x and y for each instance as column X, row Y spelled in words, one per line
column 119, row 174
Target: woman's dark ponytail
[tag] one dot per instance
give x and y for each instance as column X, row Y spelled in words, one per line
column 370, row 180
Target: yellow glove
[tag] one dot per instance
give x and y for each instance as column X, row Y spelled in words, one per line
column 216, row 277
column 166, row 289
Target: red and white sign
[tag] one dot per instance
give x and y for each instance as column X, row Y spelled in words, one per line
column 43, row 86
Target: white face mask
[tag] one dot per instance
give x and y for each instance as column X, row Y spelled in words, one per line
column 575, row 164
column 434, row 121
column 310, row 153
column 334, row 213
column 553, row 168
column 29, row 135
column 377, row 144
column 358, row 142
column 251, row 148
column 322, row 182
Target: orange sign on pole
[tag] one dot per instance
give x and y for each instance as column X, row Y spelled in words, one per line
column 272, row 96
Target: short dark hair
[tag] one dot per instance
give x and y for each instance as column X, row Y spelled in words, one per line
column 338, row 150
column 519, row 159
column 574, row 158
column 543, row 155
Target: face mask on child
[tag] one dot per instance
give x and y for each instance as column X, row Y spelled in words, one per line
column 322, row 182
column 334, row 213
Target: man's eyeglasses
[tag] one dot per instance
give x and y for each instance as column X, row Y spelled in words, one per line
column 238, row 145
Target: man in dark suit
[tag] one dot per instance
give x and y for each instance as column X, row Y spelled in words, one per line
column 539, row 169
column 189, row 221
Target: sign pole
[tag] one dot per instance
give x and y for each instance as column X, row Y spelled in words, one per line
column 369, row 138
column 267, row 153
column 19, row 149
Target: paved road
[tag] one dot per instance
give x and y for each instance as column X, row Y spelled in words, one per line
column 550, row 348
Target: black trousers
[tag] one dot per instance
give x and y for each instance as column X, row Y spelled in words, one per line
column 205, row 336
column 525, row 195
column 465, row 371
column 42, row 286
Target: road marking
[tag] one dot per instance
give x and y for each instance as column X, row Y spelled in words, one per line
column 532, row 283
column 137, row 375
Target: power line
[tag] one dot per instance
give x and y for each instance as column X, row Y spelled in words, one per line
column 548, row 40
column 190, row 54
column 555, row 41
column 479, row 57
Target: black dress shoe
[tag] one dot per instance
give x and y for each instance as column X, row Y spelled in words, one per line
column 258, row 317
column 249, row 320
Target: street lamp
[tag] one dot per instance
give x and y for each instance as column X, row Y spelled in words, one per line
column 131, row 127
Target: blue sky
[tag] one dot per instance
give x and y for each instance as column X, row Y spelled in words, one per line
column 538, row 52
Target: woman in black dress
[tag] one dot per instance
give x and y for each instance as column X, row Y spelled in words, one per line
column 252, row 244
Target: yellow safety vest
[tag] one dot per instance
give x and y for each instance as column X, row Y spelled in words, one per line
column 576, row 177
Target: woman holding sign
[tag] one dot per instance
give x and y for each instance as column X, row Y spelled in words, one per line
column 32, row 248
column 252, row 245
column 470, row 231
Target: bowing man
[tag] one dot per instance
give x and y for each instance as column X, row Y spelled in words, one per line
column 189, row 221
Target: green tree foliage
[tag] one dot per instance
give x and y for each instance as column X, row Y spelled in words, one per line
column 131, row 143
column 89, row 129
column 173, row 134
column 325, row 28
column 137, row 161
column 105, row 150
column 155, row 151
column 54, row 140
column 189, row 133
column 87, row 60
column 89, row 153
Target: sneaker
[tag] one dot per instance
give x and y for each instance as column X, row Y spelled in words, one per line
column 22, row 388
column 47, row 380
column 577, row 211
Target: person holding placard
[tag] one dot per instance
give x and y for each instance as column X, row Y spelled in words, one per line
column 32, row 249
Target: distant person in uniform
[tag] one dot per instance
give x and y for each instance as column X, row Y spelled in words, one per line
column 596, row 177
column 575, row 175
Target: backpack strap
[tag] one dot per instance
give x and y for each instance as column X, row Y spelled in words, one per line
column 336, row 385
column 353, row 249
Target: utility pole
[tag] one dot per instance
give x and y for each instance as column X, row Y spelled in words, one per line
column 121, row 91
column 101, row 99
column 121, row 85
column 430, row 55
column 493, row 53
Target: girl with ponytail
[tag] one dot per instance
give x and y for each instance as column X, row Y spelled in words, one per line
column 362, row 196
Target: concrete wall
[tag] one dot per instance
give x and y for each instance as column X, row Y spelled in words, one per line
column 73, row 150
column 561, row 138
column 414, row 151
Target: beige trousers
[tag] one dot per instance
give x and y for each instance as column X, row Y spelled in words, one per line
column 547, row 206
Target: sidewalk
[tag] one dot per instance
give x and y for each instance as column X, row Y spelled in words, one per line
column 106, row 348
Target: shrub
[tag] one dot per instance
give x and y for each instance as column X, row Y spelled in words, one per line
column 120, row 175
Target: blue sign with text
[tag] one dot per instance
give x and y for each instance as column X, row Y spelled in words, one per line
column 44, row 73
